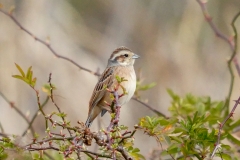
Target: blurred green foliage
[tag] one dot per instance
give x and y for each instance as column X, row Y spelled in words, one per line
column 191, row 131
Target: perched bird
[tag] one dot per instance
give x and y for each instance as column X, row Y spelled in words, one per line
column 120, row 64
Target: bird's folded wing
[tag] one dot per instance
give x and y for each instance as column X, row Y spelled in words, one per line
column 105, row 80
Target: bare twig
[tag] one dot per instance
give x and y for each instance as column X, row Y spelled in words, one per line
column 218, row 145
column 40, row 107
column 47, row 44
column 18, row 111
column 232, row 44
column 34, row 117
column 55, row 104
column 149, row 107
column 208, row 18
column 3, row 135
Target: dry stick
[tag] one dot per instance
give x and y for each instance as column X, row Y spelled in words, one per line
column 218, row 145
column 34, row 117
column 46, row 43
column 62, row 57
column 18, row 111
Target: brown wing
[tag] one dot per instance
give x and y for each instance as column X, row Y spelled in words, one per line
column 99, row 90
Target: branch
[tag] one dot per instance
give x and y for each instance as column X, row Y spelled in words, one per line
column 149, row 107
column 34, row 117
column 114, row 125
column 47, row 44
column 218, row 145
column 55, row 104
column 232, row 44
column 18, row 111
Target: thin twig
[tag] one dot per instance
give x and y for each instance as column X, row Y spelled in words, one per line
column 18, row 111
column 149, row 107
column 40, row 107
column 55, row 104
column 47, row 44
column 232, row 44
column 4, row 135
column 218, row 145
column 34, row 117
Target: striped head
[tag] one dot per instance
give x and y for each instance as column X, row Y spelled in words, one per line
column 122, row 56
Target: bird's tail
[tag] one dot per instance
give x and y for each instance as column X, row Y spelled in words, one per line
column 88, row 123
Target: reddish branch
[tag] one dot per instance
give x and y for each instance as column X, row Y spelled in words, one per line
column 233, row 45
column 113, row 127
column 219, row 34
column 221, row 125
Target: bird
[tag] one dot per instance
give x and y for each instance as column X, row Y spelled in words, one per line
column 119, row 64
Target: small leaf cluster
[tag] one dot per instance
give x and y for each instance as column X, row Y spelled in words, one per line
column 26, row 77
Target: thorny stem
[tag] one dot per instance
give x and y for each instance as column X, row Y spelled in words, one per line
column 113, row 124
column 233, row 46
column 218, row 145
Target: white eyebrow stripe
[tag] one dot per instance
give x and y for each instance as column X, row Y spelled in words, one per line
column 113, row 57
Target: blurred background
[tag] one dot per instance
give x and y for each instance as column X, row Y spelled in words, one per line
column 178, row 50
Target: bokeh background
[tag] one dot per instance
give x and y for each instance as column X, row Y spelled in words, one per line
column 178, row 50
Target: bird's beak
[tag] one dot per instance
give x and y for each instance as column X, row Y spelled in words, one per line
column 135, row 56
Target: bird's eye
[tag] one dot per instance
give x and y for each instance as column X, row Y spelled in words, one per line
column 126, row 55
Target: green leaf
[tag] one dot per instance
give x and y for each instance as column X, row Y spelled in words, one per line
column 20, row 70
column 225, row 156
column 118, row 79
column 29, row 73
column 33, row 82
column 146, row 87
column 21, row 78
column 233, row 139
